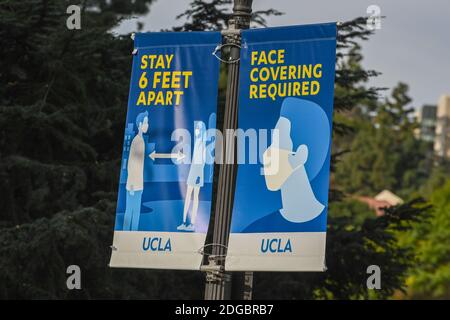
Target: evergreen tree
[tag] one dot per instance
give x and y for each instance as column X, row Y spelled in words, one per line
column 385, row 152
column 213, row 15
column 431, row 276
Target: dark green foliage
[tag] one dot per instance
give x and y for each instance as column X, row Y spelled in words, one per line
column 385, row 151
column 62, row 107
column 39, row 253
column 430, row 279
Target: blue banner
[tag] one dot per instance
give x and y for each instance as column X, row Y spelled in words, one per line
column 164, row 198
column 286, row 102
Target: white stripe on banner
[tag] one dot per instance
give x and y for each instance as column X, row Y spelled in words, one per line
column 157, row 250
column 296, row 251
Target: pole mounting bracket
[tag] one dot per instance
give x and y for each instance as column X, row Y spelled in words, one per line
column 215, row 272
column 215, row 269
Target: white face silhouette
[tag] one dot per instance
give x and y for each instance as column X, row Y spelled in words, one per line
column 144, row 125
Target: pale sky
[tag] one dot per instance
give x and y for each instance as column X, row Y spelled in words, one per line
column 413, row 44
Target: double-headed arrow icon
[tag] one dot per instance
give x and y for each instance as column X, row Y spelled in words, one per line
column 179, row 155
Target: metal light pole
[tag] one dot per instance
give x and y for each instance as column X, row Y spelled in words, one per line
column 218, row 285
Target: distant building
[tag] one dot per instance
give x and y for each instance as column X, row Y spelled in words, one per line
column 427, row 121
column 389, row 197
column 442, row 139
column 384, row 199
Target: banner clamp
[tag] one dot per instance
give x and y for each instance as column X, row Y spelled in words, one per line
column 221, row 256
column 230, row 32
column 215, row 271
column 219, row 48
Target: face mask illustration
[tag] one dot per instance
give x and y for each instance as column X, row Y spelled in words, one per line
column 279, row 164
column 276, row 167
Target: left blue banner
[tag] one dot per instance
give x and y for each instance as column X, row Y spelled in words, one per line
column 165, row 189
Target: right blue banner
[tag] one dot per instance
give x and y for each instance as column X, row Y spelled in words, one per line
column 284, row 145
